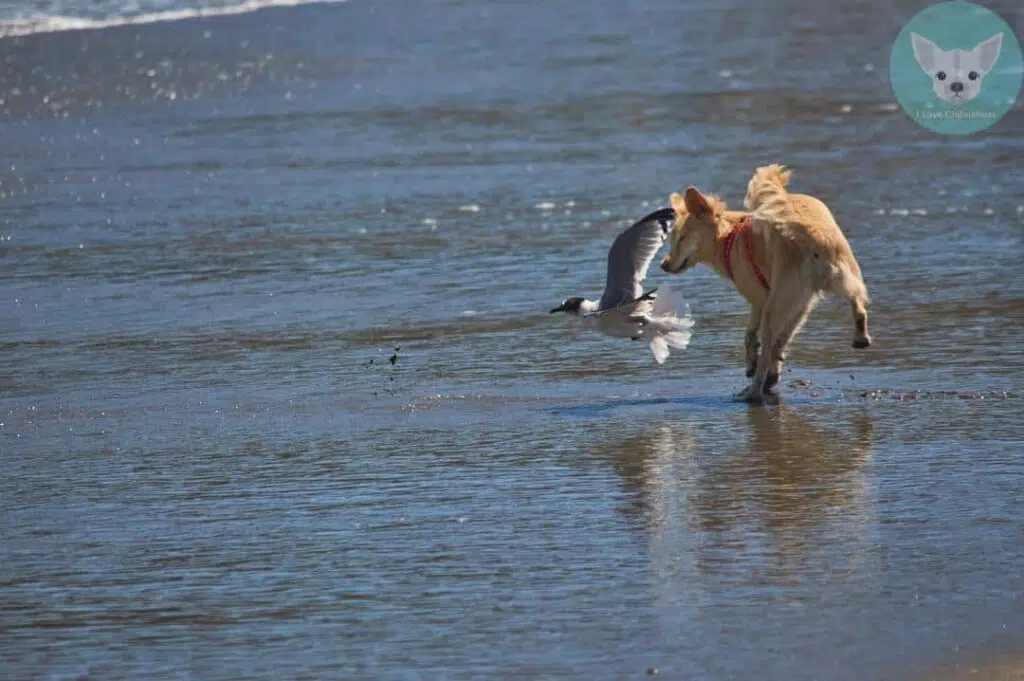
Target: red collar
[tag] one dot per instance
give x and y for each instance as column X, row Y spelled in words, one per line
column 744, row 225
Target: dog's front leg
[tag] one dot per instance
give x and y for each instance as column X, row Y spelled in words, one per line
column 755, row 391
column 750, row 342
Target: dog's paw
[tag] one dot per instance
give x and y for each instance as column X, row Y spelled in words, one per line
column 750, row 395
column 770, row 382
column 758, row 398
column 861, row 343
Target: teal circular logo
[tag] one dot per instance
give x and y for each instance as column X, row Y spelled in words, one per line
column 956, row 68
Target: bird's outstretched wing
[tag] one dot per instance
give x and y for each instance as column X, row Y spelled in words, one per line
column 630, row 256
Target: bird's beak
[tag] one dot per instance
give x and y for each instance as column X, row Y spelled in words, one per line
column 560, row 308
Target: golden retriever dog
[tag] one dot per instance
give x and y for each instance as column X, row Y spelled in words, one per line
column 782, row 255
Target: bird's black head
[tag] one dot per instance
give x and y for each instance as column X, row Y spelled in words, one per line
column 570, row 305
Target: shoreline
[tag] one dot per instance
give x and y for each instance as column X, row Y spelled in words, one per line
column 21, row 28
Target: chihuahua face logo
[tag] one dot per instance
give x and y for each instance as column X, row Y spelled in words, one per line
column 956, row 74
column 956, row 68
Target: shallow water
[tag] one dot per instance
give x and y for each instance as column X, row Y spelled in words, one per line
column 216, row 233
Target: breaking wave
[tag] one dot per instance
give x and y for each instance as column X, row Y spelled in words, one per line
column 62, row 17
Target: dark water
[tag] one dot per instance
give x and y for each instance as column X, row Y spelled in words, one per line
column 216, row 232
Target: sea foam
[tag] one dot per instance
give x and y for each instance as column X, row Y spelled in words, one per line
column 37, row 22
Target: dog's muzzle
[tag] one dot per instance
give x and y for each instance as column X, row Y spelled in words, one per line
column 667, row 267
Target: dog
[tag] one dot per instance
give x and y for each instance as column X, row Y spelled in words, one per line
column 956, row 74
column 791, row 252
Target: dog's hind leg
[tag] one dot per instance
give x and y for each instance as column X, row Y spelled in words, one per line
column 861, row 337
column 798, row 307
column 847, row 282
column 789, row 302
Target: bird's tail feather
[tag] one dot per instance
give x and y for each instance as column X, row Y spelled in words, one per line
column 670, row 324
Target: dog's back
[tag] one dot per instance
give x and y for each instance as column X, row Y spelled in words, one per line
column 802, row 230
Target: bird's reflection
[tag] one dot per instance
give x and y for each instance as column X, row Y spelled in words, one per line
column 763, row 494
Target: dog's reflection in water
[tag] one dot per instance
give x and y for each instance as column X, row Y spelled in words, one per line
column 762, row 495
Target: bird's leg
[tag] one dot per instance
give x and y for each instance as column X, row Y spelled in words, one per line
column 641, row 321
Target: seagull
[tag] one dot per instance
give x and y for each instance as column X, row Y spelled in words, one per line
column 624, row 310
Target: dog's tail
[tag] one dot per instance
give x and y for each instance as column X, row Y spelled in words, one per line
column 766, row 193
column 670, row 324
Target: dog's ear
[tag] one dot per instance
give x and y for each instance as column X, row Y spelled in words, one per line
column 695, row 202
column 987, row 52
column 678, row 205
column 925, row 52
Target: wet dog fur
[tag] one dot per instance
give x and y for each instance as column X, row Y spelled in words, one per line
column 798, row 245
